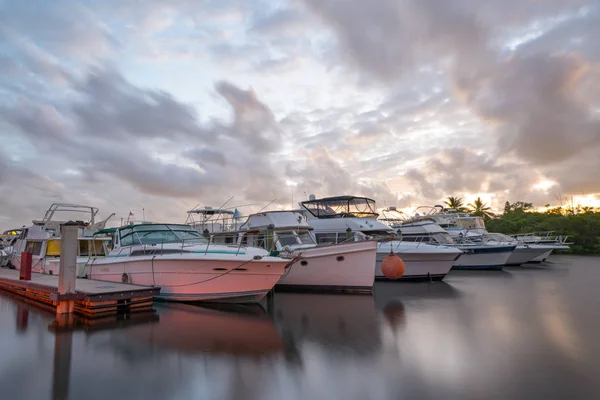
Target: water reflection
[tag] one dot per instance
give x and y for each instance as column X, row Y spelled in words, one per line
column 344, row 323
column 474, row 336
column 241, row 331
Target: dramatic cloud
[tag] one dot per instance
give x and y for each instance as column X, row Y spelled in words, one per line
column 530, row 99
column 164, row 105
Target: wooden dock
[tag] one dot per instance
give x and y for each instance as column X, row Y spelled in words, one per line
column 92, row 298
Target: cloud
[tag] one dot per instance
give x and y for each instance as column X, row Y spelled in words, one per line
column 67, row 27
column 253, row 122
column 322, row 175
column 530, row 100
column 113, row 131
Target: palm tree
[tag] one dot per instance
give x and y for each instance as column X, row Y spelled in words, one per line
column 481, row 209
column 455, row 203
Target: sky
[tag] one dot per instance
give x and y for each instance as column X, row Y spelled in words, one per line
column 163, row 106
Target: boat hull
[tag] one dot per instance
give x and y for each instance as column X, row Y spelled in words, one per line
column 542, row 257
column 195, row 280
column 421, row 261
column 347, row 267
column 523, row 254
column 484, row 257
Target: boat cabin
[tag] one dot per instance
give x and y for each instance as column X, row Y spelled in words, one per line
column 271, row 230
column 209, row 220
column 344, row 218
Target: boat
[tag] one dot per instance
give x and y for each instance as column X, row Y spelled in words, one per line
column 351, row 218
column 186, row 266
column 7, row 241
column 340, row 267
column 549, row 239
column 425, row 227
column 42, row 239
column 461, row 225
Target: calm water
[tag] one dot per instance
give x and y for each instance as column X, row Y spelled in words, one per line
column 521, row 333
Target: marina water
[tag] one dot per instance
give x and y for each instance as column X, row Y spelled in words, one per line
column 524, row 332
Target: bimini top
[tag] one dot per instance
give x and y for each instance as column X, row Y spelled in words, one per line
column 341, row 207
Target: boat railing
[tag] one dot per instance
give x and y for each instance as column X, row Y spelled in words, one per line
column 502, row 238
column 356, row 236
column 547, row 237
column 158, row 248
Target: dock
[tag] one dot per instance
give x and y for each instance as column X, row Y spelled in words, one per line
column 91, row 298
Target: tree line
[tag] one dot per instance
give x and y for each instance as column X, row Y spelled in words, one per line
column 580, row 224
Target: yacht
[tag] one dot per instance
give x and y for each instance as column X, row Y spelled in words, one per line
column 426, row 228
column 473, row 227
column 470, row 229
column 186, row 266
column 351, row 218
column 554, row 242
column 341, row 267
column 42, row 239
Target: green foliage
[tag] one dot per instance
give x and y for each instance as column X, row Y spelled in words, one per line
column 481, row 209
column 582, row 225
column 456, row 203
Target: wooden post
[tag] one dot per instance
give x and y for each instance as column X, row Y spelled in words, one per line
column 68, row 265
column 25, row 270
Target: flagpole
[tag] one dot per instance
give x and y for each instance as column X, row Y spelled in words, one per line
column 143, row 215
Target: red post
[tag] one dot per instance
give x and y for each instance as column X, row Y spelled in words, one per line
column 25, row 272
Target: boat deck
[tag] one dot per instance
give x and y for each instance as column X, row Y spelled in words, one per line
column 91, row 298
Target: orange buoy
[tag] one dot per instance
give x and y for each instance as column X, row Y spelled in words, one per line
column 392, row 266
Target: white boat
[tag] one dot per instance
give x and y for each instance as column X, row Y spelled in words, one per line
column 548, row 239
column 426, row 229
column 343, row 267
column 186, row 266
column 349, row 218
column 42, row 239
column 461, row 225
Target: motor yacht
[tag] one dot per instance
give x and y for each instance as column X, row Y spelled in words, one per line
column 186, row 266
column 350, row 218
column 336, row 267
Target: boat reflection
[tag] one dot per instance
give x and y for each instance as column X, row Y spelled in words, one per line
column 347, row 323
column 387, row 292
column 244, row 331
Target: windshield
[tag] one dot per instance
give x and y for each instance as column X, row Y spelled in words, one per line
column 287, row 239
column 442, row 238
column 471, row 223
column 155, row 234
column 306, row 238
column 359, row 207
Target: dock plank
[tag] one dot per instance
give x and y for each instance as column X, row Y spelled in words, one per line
column 91, row 296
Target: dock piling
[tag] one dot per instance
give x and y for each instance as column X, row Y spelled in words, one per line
column 26, row 264
column 68, row 266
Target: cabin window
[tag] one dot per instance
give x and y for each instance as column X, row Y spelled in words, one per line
column 91, row 248
column 229, row 240
column 326, row 238
column 53, row 248
column 34, row 248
